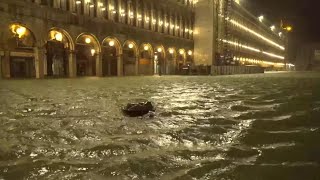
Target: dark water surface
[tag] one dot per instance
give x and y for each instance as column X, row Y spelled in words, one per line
column 259, row 127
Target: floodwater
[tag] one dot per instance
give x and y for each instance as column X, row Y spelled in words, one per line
column 246, row 127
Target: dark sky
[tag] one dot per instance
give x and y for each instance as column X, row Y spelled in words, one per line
column 303, row 15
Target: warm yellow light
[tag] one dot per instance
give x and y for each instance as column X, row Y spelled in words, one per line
column 181, row 52
column 21, row 31
column 111, row 43
column 78, row 2
column 93, row 52
column 88, row 40
column 146, row 47
column 130, row 45
column 272, row 28
column 159, row 50
column 58, row 36
column 189, row 52
column 171, row 51
column 261, row 18
column 288, row 28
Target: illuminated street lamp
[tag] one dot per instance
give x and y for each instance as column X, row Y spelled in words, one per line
column 171, row 51
column 93, row 52
column 189, row 52
column 58, row 36
column 146, row 47
column 111, row 43
column 130, row 45
column 88, row 40
column 21, row 31
column 159, row 50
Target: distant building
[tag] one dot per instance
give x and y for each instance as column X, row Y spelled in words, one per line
column 69, row 38
column 226, row 34
column 308, row 57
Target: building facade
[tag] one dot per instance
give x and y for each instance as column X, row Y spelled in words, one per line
column 236, row 37
column 70, row 38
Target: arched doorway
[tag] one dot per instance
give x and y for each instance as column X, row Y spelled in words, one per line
column 111, row 49
column 130, row 63
column 181, row 60
column 159, row 61
column 145, row 61
column 87, row 51
column 171, row 61
column 20, row 60
column 57, row 50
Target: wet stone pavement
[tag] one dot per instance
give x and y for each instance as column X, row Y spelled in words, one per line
column 245, row 127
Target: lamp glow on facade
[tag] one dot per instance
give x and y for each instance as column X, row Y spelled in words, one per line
column 111, row 43
column 243, row 27
column 171, row 51
column 252, row 49
column 280, row 34
column 261, row 18
column 181, row 52
column 88, row 40
column 93, row 52
column 159, row 49
column 130, row 45
column 21, row 31
column 147, row 19
column 146, row 47
column 272, row 28
column 78, row 2
column 58, row 36
column 189, row 52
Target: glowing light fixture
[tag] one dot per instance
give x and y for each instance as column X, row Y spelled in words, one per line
column 171, row 51
column 21, row 31
column 146, row 47
column 159, row 49
column 272, row 28
column 189, row 52
column 111, row 43
column 261, row 18
column 58, row 36
column 93, row 52
column 130, row 45
column 181, row 52
column 78, row 2
column 88, row 40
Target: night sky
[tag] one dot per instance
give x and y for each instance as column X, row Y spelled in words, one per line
column 303, row 15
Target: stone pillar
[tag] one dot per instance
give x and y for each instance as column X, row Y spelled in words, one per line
column 39, row 56
column 120, row 65
column 99, row 65
column 0, row 66
column 6, row 65
column 137, row 66
column 72, row 65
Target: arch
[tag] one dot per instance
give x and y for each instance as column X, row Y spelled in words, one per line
column 94, row 40
column 130, row 58
column 126, row 45
column 111, row 50
column 150, row 49
column 171, row 60
column 87, row 50
column 21, row 39
column 117, row 43
column 58, row 43
column 65, row 36
column 146, row 59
